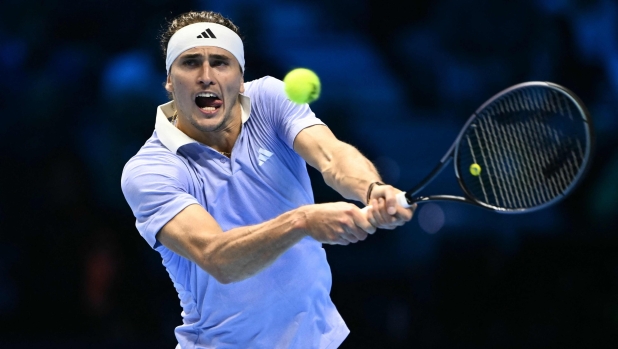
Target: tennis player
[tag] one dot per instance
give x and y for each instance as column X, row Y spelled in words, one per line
column 222, row 192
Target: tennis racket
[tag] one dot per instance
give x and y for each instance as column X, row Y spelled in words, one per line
column 524, row 149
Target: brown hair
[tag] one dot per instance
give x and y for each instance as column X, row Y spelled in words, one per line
column 187, row 18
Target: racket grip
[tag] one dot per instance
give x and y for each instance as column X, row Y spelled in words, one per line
column 401, row 200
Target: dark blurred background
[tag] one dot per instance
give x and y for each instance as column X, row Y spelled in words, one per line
column 80, row 84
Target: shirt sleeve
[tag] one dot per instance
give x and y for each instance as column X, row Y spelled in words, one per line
column 289, row 118
column 156, row 190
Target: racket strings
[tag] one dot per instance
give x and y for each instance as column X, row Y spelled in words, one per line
column 474, row 158
column 527, row 147
column 526, row 171
column 511, row 193
column 564, row 160
column 514, row 194
column 502, row 167
column 518, row 141
column 550, row 141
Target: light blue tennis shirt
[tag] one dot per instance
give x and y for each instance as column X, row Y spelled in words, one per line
column 288, row 304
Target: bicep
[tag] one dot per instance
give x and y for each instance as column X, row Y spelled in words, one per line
column 317, row 145
column 189, row 233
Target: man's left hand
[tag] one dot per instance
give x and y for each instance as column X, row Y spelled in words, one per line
column 385, row 213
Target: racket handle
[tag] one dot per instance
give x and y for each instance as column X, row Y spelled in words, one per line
column 401, row 200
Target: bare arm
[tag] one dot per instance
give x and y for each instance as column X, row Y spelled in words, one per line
column 241, row 252
column 343, row 167
column 350, row 173
column 244, row 251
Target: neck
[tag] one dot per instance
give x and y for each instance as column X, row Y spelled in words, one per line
column 224, row 141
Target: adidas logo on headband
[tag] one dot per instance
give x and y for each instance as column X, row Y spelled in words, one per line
column 207, row 34
column 185, row 38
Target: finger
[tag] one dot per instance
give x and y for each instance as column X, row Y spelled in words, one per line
column 377, row 214
column 401, row 218
column 407, row 213
column 404, row 214
column 391, row 201
column 351, row 236
column 359, row 234
column 385, row 218
column 341, row 241
column 372, row 214
column 368, row 212
column 361, row 220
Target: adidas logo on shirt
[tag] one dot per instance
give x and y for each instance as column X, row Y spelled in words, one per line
column 264, row 155
column 207, row 34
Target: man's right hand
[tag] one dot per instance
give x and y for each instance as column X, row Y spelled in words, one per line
column 338, row 223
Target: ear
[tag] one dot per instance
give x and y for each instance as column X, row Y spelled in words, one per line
column 242, row 85
column 168, row 84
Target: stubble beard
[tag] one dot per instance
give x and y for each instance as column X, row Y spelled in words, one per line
column 220, row 126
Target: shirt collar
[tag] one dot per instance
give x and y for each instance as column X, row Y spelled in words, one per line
column 172, row 138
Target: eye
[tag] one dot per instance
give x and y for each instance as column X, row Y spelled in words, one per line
column 219, row 62
column 190, row 62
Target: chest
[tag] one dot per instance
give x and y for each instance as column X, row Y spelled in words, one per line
column 262, row 179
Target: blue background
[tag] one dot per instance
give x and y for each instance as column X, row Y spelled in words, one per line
column 80, row 84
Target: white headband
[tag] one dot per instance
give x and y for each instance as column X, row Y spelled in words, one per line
column 204, row 34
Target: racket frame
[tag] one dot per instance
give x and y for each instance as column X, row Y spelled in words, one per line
column 408, row 198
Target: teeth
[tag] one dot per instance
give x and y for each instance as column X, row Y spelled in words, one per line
column 207, row 94
column 209, row 108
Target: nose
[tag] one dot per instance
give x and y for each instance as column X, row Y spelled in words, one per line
column 205, row 76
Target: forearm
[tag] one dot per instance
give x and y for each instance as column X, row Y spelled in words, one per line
column 244, row 251
column 241, row 252
column 350, row 173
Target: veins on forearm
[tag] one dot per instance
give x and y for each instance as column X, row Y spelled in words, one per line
column 349, row 173
column 245, row 251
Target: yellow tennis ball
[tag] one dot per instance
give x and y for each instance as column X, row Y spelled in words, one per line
column 302, row 86
column 475, row 169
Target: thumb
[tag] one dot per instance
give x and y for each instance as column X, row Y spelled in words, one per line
column 361, row 219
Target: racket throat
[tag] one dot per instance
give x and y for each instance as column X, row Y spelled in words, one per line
column 423, row 199
column 436, row 171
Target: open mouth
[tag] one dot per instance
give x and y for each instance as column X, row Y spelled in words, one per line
column 208, row 101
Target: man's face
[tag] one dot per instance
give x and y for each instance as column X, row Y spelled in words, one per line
column 205, row 82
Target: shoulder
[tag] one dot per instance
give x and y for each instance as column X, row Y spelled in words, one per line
column 264, row 84
column 153, row 152
column 264, row 88
column 268, row 98
column 153, row 160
